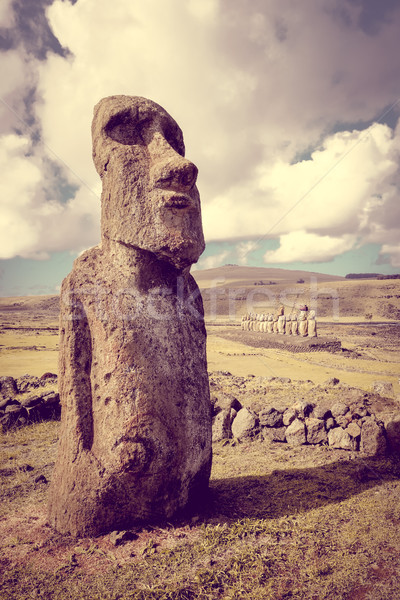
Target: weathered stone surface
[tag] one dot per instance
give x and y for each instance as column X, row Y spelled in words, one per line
column 8, row 387
column 321, row 411
column 274, row 434
column 289, row 416
column 330, row 423
column 344, row 421
column 332, row 381
column 270, row 417
column 302, row 409
column 316, row 433
column 353, row 430
column 224, row 402
column 383, row 388
column 245, row 424
column 373, row 441
column 296, row 433
column 31, row 401
column 221, row 428
column 339, row 409
column 135, row 441
column 339, row 438
column 27, row 382
column 392, row 426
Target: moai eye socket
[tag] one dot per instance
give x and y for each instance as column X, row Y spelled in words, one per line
column 173, row 135
column 125, row 129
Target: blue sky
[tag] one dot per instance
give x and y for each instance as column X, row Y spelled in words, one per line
column 289, row 109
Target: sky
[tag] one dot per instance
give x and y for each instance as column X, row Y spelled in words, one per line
column 290, row 110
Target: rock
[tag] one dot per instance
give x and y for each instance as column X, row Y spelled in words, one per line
column 8, row 402
column 225, row 402
column 221, row 428
column 339, row 438
column 332, row 381
column 373, row 442
column 289, row 416
column 274, row 434
column 13, row 408
column 120, row 537
column 321, row 412
column 330, row 423
column 344, row 421
column 383, row 388
column 135, row 437
column 31, row 401
column 27, row 382
column 353, row 430
column 392, row 426
column 339, row 409
column 296, row 433
column 47, row 376
column 303, row 409
column 270, row 417
column 315, row 429
column 50, row 398
column 245, row 424
column 358, row 412
column 8, row 387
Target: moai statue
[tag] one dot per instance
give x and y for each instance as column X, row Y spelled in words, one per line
column 302, row 319
column 312, row 324
column 288, row 326
column 264, row 325
column 275, row 325
column 135, row 441
column 270, row 324
column 295, row 328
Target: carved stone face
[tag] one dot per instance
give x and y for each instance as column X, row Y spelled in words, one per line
column 150, row 199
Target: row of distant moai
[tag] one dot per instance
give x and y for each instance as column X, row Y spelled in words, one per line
column 303, row 323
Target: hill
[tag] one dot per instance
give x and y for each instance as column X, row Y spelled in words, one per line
column 230, row 291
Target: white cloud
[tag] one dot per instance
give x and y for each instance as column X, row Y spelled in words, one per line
column 394, row 251
column 30, row 227
column 244, row 250
column 211, row 262
column 300, row 246
column 332, row 193
column 6, row 13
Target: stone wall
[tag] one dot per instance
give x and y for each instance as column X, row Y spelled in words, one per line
column 365, row 423
column 28, row 399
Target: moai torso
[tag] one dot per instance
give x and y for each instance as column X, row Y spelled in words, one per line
column 288, row 326
column 135, row 442
column 302, row 320
column 312, row 324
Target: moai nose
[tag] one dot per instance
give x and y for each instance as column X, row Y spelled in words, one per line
column 177, row 173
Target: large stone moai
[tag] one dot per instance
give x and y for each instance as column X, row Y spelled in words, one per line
column 135, row 441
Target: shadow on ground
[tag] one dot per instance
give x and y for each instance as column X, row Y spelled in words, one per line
column 292, row 491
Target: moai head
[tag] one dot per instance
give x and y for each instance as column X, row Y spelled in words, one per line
column 149, row 200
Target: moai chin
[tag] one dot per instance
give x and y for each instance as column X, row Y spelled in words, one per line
column 135, row 442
